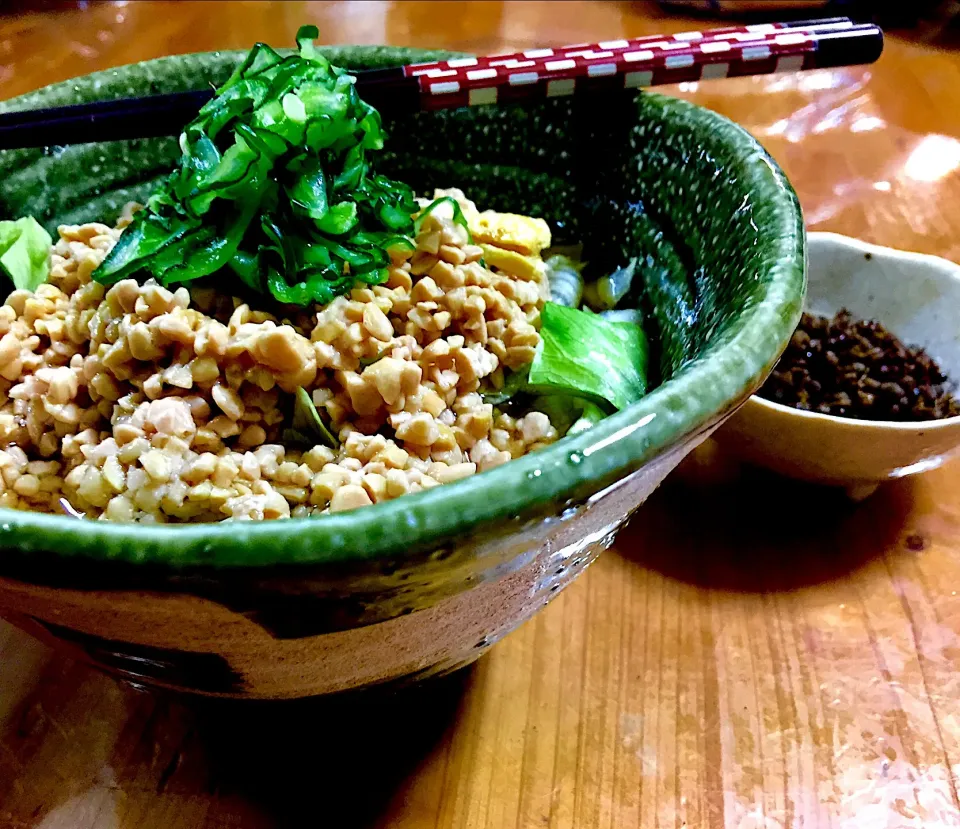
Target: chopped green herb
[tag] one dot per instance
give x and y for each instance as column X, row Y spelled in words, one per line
column 274, row 181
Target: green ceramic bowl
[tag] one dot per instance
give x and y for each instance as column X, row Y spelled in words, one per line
column 425, row 583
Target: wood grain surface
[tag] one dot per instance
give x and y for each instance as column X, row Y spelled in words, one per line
column 752, row 654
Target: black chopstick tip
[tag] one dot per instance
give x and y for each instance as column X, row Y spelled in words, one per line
column 858, row 46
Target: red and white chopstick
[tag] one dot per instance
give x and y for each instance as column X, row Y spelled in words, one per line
column 644, row 62
column 532, row 75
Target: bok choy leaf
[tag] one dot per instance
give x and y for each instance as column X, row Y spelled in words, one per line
column 25, row 252
column 585, row 355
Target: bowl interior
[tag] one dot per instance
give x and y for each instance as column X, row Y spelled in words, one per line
column 596, row 170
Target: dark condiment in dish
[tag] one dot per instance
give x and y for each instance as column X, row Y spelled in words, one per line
column 858, row 369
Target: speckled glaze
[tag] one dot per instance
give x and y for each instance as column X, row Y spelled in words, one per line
column 917, row 297
column 423, row 584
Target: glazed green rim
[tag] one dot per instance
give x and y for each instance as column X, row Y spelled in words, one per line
column 711, row 386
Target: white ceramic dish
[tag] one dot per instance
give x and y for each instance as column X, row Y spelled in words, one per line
column 918, row 298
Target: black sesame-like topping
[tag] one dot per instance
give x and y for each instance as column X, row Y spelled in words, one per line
column 857, row 368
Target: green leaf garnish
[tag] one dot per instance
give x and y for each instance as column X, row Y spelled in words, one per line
column 569, row 415
column 585, row 366
column 585, row 355
column 458, row 216
column 376, row 358
column 25, row 252
column 515, row 383
column 307, row 426
column 275, row 182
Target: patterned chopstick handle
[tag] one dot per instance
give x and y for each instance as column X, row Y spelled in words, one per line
column 689, row 56
column 733, row 33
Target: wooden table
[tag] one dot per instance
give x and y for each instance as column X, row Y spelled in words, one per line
column 752, row 655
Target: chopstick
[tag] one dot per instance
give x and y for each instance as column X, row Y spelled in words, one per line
column 535, row 74
column 645, row 62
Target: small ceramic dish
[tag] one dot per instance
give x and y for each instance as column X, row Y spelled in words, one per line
column 917, row 297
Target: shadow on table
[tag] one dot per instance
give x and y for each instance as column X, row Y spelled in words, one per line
column 338, row 761
column 762, row 533
column 128, row 757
